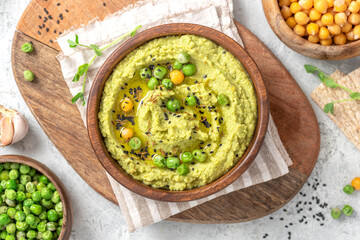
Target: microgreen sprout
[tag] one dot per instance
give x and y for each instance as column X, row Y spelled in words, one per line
column 83, row 69
column 329, row 82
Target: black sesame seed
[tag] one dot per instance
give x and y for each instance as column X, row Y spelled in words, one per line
column 58, row 4
column 47, row 29
column 104, row 4
column 66, row 10
column 281, row 219
column 39, row 32
column 50, row 17
column 54, row 31
column 153, row 59
column 205, row 76
column 40, row 17
column 58, row 21
column 51, row 41
column 40, row 27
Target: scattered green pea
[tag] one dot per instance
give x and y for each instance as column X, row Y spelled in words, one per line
column 167, row 83
column 31, row 234
column 21, row 226
column 14, row 174
column 11, row 212
column 44, row 179
column 51, row 187
column 36, row 196
column 152, row 83
column 135, row 143
column 30, row 219
column 4, row 175
column 48, row 235
column 20, row 216
column 10, row 194
column 40, row 186
column 36, row 209
column 347, row 210
column 29, row 75
column 159, row 161
column 52, row 215
column 173, row 104
column 27, row 47
column 172, row 162
column 348, row 189
column 189, row 69
column 4, row 219
column 11, row 184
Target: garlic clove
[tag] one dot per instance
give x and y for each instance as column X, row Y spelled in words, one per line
column 21, row 127
column 6, row 132
column 13, row 126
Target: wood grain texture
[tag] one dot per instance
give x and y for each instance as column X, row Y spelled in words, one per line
column 48, row 98
column 64, row 196
column 301, row 45
column 112, row 166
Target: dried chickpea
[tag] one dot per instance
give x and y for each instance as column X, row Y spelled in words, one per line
column 331, row 10
column 347, row 2
column 358, row 1
column 284, row 3
column 295, row 7
column 354, row 18
column 285, row 12
column 313, row 38
column 301, row 18
column 321, row 6
column 126, row 133
column 340, row 39
column 334, row 29
column 299, row 30
column 324, row 33
column 340, row 19
column 354, row 7
column 356, row 32
column 314, row 15
column 291, row 22
column 340, row 8
column 307, row 11
column 327, row 19
column 326, row 42
column 306, row 4
column 320, row 24
column 330, row 3
column 346, row 28
column 312, row 29
column 350, row 36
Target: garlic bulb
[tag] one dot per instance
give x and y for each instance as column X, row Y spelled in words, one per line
column 13, row 126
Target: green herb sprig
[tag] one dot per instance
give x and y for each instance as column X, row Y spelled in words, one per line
column 83, row 69
column 329, row 82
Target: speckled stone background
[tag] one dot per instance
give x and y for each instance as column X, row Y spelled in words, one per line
column 97, row 218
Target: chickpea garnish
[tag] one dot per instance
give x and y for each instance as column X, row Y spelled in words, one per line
column 126, row 105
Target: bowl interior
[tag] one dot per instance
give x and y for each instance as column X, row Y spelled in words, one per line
column 112, row 166
column 65, row 199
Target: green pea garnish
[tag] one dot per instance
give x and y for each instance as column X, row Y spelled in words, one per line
column 199, row 155
column 183, row 169
column 172, row 162
column 189, row 69
column 183, row 57
column 186, row 157
column 145, row 73
column 223, row 99
column 135, row 143
column 177, row 65
column 173, row 105
column 160, row 72
column 152, row 83
column 190, row 100
column 167, row 83
column 159, row 161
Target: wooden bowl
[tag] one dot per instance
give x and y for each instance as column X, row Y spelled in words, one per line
column 301, row 45
column 113, row 167
column 65, row 199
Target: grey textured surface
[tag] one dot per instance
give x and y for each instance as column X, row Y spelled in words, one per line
column 96, row 218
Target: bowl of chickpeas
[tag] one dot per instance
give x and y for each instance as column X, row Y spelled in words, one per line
column 322, row 29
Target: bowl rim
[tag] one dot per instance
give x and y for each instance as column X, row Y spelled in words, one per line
column 299, row 44
column 64, row 196
column 114, row 168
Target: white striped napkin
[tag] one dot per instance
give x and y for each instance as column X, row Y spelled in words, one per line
column 271, row 162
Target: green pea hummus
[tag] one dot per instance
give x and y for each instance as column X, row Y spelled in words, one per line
column 222, row 132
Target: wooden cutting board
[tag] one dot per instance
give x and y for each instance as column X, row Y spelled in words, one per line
column 49, row 100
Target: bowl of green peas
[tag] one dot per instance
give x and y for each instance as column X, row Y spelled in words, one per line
column 33, row 201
